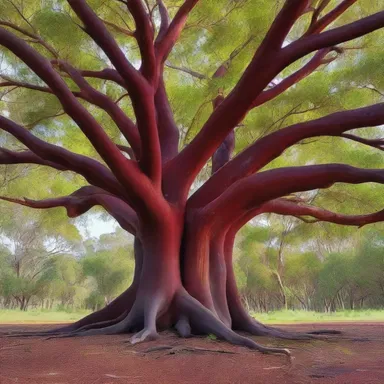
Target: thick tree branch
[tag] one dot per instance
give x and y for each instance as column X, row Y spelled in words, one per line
column 140, row 91
column 318, row 25
column 263, row 68
column 26, row 157
column 82, row 200
column 273, row 145
column 55, row 156
column 90, row 94
column 96, row 29
column 105, row 74
column 291, row 208
column 314, row 42
column 318, row 59
column 265, row 65
column 125, row 125
column 144, row 35
column 165, row 44
column 164, row 20
column 258, row 189
column 127, row 150
column 298, row 209
column 124, row 170
column 284, row 21
column 224, row 152
column 168, row 130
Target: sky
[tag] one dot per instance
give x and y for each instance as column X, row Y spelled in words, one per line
column 95, row 226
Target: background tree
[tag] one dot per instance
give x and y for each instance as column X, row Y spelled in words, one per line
column 325, row 268
column 110, row 272
column 66, row 282
column 184, row 221
column 29, row 247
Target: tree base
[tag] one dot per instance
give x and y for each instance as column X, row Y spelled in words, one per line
column 191, row 318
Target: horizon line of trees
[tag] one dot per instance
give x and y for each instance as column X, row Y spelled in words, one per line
column 334, row 268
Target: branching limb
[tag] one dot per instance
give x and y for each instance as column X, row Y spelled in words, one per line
column 123, row 170
column 167, row 128
column 375, row 143
column 318, row 59
column 95, row 27
column 317, row 25
column 140, row 91
column 224, row 152
column 36, row 38
column 126, row 171
column 258, row 189
column 105, row 74
column 284, row 21
column 90, row 94
column 289, row 207
column 164, row 20
column 54, row 156
column 165, row 44
column 273, row 145
column 26, row 157
column 82, row 201
column 235, row 106
column 268, row 62
column 144, row 35
column 198, row 75
column 314, row 42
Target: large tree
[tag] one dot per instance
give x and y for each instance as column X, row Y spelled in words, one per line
column 106, row 69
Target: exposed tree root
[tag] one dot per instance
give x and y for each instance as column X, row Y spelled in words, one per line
column 205, row 322
column 325, row 332
column 183, row 327
column 175, row 349
column 31, row 334
column 102, row 324
column 193, row 318
column 122, row 324
column 322, row 334
column 246, row 323
column 258, row 329
column 146, row 334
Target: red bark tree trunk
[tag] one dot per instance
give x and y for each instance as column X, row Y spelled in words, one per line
column 184, row 275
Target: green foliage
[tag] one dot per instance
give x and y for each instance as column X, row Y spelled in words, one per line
column 320, row 268
column 111, row 274
column 42, row 262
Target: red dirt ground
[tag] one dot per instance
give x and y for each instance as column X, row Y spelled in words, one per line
column 356, row 357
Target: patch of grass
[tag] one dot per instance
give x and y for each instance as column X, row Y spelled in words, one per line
column 279, row 317
column 39, row 316
column 286, row 317
column 212, row 337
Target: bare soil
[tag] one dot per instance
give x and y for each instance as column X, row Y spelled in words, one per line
column 355, row 357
